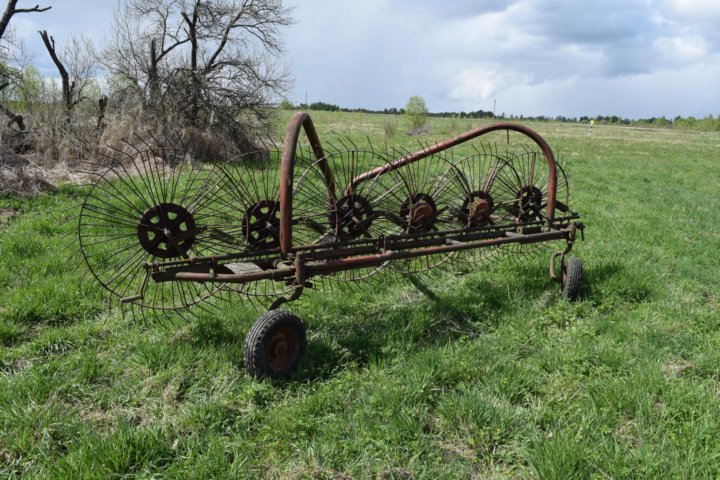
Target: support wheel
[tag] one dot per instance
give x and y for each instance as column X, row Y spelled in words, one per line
column 572, row 271
column 274, row 345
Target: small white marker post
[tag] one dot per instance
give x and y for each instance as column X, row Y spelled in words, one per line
column 592, row 123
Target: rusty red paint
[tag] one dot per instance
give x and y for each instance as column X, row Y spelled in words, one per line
column 470, row 135
column 313, row 268
column 302, row 121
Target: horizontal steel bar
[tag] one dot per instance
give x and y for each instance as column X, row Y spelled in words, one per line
column 352, row 247
column 332, row 266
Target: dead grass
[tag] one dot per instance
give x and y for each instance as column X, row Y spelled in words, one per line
column 21, row 177
column 7, row 214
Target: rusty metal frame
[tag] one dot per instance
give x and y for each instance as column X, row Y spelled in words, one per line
column 317, row 266
column 470, row 135
column 295, row 265
column 302, row 120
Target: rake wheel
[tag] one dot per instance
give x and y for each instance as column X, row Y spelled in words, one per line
column 250, row 183
column 481, row 200
column 416, row 201
column 525, row 182
column 152, row 205
column 323, row 215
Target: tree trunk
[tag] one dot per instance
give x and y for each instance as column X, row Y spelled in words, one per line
column 11, row 10
column 16, row 119
column 67, row 87
column 195, row 90
column 102, row 103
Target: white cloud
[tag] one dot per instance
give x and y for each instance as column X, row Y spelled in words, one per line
column 476, row 84
column 551, row 57
column 682, row 49
column 697, row 10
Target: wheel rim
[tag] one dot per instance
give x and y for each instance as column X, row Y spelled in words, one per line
column 282, row 349
column 166, row 231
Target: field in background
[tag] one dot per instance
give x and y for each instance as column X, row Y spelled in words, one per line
column 480, row 373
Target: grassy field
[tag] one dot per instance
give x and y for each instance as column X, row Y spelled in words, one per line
column 472, row 374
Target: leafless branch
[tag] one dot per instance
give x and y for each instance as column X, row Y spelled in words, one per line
column 12, row 9
column 200, row 59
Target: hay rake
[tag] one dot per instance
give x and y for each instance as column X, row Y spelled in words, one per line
column 164, row 232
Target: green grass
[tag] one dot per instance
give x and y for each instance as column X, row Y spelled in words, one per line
column 484, row 373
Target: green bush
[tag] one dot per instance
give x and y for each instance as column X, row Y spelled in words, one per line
column 416, row 112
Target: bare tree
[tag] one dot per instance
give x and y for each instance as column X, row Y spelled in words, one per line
column 5, row 73
column 143, row 35
column 205, row 63
column 67, row 87
column 79, row 59
column 12, row 9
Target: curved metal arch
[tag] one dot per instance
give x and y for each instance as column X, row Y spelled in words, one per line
column 302, row 121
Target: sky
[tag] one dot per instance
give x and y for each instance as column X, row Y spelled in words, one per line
column 631, row 58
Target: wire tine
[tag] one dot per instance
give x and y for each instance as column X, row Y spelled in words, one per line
column 343, row 144
column 370, row 145
column 72, row 207
column 355, row 147
column 128, row 144
column 144, row 141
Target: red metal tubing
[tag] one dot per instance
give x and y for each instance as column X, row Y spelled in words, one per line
column 332, row 266
column 378, row 259
column 302, row 120
column 469, row 135
column 287, row 171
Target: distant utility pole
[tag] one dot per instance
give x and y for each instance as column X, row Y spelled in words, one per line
column 494, row 105
column 306, row 103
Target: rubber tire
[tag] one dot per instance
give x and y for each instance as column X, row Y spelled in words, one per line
column 259, row 338
column 571, row 278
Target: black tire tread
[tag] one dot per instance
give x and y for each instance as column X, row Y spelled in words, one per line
column 253, row 354
column 572, row 278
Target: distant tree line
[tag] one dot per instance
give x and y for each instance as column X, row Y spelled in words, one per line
column 329, row 107
column 707, row 123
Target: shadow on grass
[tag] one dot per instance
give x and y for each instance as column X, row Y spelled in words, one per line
column 607, row 280
column 351, row 330
column 348, row 335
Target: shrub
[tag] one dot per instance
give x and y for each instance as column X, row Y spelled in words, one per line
column 416, row 112
column 390, row 128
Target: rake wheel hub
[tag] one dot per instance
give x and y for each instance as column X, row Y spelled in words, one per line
column 261, row 224
column 354, row 216
column 477, row 208
column 419, row 213
column 529, row 205
column 166, row 230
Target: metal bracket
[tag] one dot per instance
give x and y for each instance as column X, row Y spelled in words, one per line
column 568, row 247
column 553, row 270
column 283, row 300
column 141, row 294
